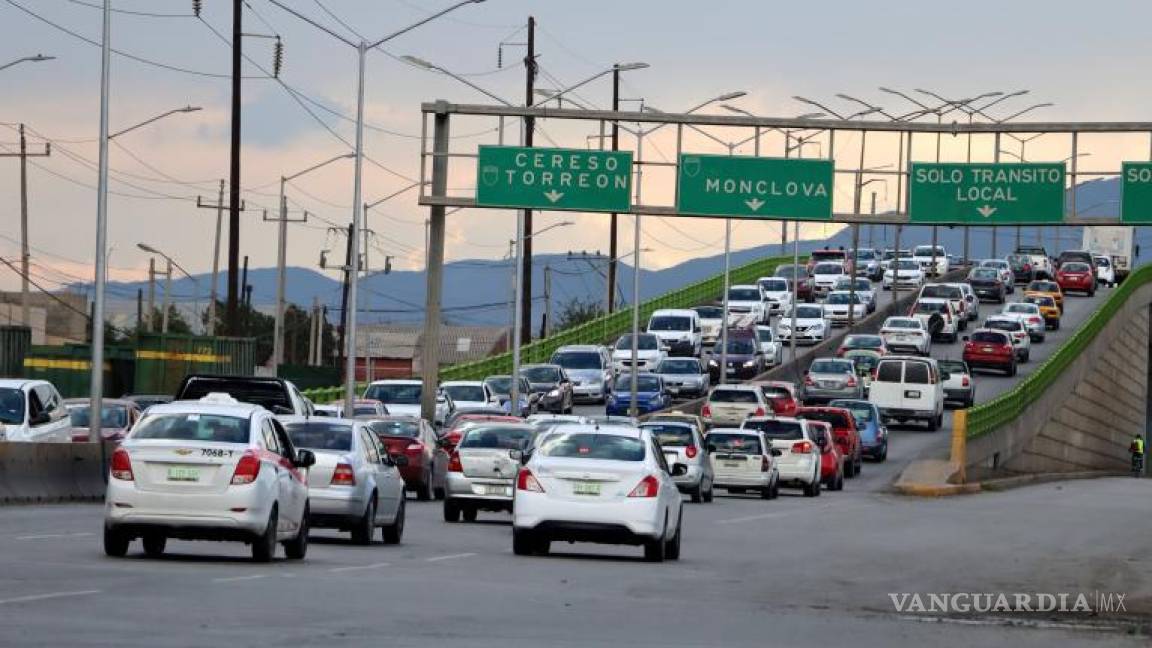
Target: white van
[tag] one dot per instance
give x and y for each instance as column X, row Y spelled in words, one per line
column 909, row 388
column 679, row 330
column 32, row 410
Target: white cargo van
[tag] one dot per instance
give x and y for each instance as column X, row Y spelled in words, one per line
column 908, row 388
column 679, row 330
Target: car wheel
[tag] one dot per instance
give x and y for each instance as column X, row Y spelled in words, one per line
column 264, row 545
column 439, row 493
column 883, row 455
column 933, row 424
column 698, row 493
column 470, row 514
column 812, row 490
column 523, row 542
column 424, row 488
column 451, row 511
column 366, row 526
column 154, row 544
column 860, row 463
column 766, row 492
column 1056, row 326
column 394, row 532
column 297, row 548
column 709, row 494
column 1012, row 370
column 849, row 467
column 672, row 548
column 116, row 542
column 654, row 550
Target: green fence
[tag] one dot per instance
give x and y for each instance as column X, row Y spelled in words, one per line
column 989, row 416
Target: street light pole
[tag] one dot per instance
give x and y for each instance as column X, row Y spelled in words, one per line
column 27, row 59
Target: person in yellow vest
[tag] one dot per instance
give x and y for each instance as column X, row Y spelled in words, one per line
column 1137, row 450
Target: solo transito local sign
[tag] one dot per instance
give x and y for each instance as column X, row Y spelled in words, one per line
column 986, row 194
column 554, row 178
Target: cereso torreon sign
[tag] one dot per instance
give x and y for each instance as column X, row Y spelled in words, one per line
column 554, row 178
column 986, row 194
column 754, row 187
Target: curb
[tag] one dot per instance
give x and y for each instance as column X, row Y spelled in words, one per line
column 917, row 489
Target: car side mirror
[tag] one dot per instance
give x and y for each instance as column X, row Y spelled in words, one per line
column 679, row 470
column 516, row 455
column 710, row 448
column 944, row 375
column 304, row 459
column 776, row 452
column 964, row 339
column 40, row 419
column 400, row 460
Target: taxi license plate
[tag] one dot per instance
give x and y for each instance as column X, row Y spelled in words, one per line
column 731, row 370
column 586, row 488
column 180, row 473
column 987, row 349
column 733, row 464
column 492, row 489
column 911, row 393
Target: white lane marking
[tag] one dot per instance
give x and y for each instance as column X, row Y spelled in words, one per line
column 233, row 579
column 41, row 597
column 449, row 557
column 44, row 536
column 359, row 567
column 765, row 516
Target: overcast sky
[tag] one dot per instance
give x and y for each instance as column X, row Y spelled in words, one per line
column 1091, row 60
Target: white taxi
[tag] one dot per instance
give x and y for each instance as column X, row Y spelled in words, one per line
column 213, row 469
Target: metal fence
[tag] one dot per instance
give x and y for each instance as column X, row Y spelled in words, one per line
column 987, row 417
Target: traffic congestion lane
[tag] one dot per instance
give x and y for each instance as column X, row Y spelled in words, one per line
column 794, row 571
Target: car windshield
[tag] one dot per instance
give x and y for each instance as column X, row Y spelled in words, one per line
column 541, row 374
column 867, row 255
column 465, row 393
column 498, row 437
column 408, row 429
column 864, row 341
column 741, row 347
column 930, row 307
column 709, row 312
column 842, row 298
column 1076, row 267
column 734, row 443
column 828, row 269
column 942, row 292
column 809, row 312
column 1103, row 262
column 394, row 394
column 679, row 366
column 500, row 384
column 905, row 264
column 321, row 435
column 984, row 273
column 577, row 360
column 670, row 323
column 776, row 393
column 643, row 343
column 674, row 436
column 774, row 285
column 1038, row 251
column 791, row 271
column 764, row 334
column 111, row 416
column 207, row 428
column 989, row 337
column 926, row 251
column 644, row 383
column 11, row 406
column 743, row 294
column 733, row 396
column 585, row 445
column 953, row 366
column 902, row 323
column 830, row 367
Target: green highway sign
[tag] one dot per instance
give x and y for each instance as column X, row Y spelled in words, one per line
column 1136, row 193
column 754, row 187
column 554, row 178
column 986, row 194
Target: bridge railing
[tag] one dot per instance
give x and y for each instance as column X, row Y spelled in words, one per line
column 987, row 417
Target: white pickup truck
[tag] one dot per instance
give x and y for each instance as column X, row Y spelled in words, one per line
column 1041, row 262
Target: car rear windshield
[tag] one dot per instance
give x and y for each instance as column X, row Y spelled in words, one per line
column 775, row 429
column 984, row 273
column 860, row 412
column 1076, row 267
column 1004, row 324
column 733, row 396
column 791, row 271
column 926, row 251
column 830, row 367
column 498, row 436
column 864, row 341
column 688, row 366
column 774, row 285
column 585, row 445
column 466, row 393
column 207, row 428
column 823, row 255
column 835, row 419
column 732, row 443
column 408, row 429
column 395, row 394
column 321, row 435
column 942, row 292
column 678, row 436
column 953, row 366
column 809, row 312
column 1044, row 286
column 930, row 307
column 1040, row 300
column 644, row 383
column 916, row 373
column 1021, row 308
column 670, row 323
column 576, row 360
column 541, row 374
column 842, row 298
column 709, row 312
column 989, row 337
column 902, row 323
column 743, row 294
column 112, row 416
column 11, row 406
column 890, row 371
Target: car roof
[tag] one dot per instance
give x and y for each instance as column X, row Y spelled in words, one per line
column 786, row 419
column 685, row 424
column 746, row 286
column 596, row 428
column 922, row 358
column 578, row 347
column 16, row 383
column 901, row 318
column 684, row 312
column 751, row 388
column 103, row 401
column 741, row 431
column 396, row 381
column 199, row 407
column 540, row 364
column 462, row 383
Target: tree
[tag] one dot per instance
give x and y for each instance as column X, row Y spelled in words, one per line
column 576, row 311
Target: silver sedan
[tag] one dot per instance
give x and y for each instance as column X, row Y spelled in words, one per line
column 482, row 470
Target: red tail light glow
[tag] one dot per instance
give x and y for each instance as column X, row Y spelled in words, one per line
column 122, row 465
column 759, row 412
column 706, row 412
column 415, row 447
column 648, row 487
column 965, row 382
column 851, row 381
column 247, row 469
column 808, row 381
column 526, row 481
column 343, row 475
column 454, row 462
column 765, row 465
column 802, row 447
column 690, row 452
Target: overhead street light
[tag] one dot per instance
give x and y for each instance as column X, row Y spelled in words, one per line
column 419, row 62
column 185, row 109
column 1026, row 110
column 27, row 59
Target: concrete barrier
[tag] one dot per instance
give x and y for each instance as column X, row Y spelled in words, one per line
column 32, row 473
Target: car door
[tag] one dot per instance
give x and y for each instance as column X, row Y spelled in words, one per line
column 277, row 461
column 670, row 495
column 384, row 475
column 437, row 455
column 918, row 391
column 57, row 427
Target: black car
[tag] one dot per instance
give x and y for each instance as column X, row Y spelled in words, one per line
column 744, row 357
column 987, row 284
column 550, row 382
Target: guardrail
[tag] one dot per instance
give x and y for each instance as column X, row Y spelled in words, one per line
column 987, row 417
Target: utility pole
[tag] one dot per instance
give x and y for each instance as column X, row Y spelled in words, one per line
column 233, row 326
column 243, row 290
column 526, row 233
column 314, row 320
column 25, row 295
column 347, row 286
column 434, row 270
column 219, row 207
column 546, row 329
column 151, row 294
column 613, row 252
column 139, row 311
column 167, row 298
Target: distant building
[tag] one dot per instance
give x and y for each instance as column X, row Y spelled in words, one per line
column 386, row 351
column 59, row 318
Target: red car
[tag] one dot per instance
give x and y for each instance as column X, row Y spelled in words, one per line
column 844, row 432
column 412, row 437
column 831, row 457
column 1075, row 275
column 990, row 349
column 781, row 396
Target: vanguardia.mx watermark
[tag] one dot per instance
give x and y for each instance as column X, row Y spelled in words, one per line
column 985, row 602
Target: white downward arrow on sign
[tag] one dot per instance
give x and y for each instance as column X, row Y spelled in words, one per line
column 553, row 195
column 986, row 210
column 755, row 204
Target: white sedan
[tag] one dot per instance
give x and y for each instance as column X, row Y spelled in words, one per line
column 908, row 274
column 602, row 484
column 1030, row 315
column 213, row 469
column 838, row 302
column 811, row 325
column 909, row 333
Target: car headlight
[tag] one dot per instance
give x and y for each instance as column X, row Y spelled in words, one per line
column 713, row 363
column 554, row 393
column 749, row 364
column 818, row 325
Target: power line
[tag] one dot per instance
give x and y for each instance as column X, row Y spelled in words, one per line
column 129, row 12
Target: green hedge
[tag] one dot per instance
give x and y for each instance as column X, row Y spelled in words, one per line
column 989, row 416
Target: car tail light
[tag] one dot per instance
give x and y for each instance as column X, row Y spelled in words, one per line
column 343, row 475
column 759, row 411
column 765, row 465
column 1034, row 320
column 690, row 452
column 808, row 381
column 1027, row 267
column 454, row 462
column 706, row 412
column 122, row 465
column 526, row 481
column 648, row 487
column 802, row 447
column 851, row 381
column 247, row 469
column 965, row 382
column 415, row 447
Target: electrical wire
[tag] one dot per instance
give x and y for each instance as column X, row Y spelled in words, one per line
column 129, row 12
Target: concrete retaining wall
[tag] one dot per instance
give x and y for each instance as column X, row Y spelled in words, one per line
column 51, row 472
column 1088, row 416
